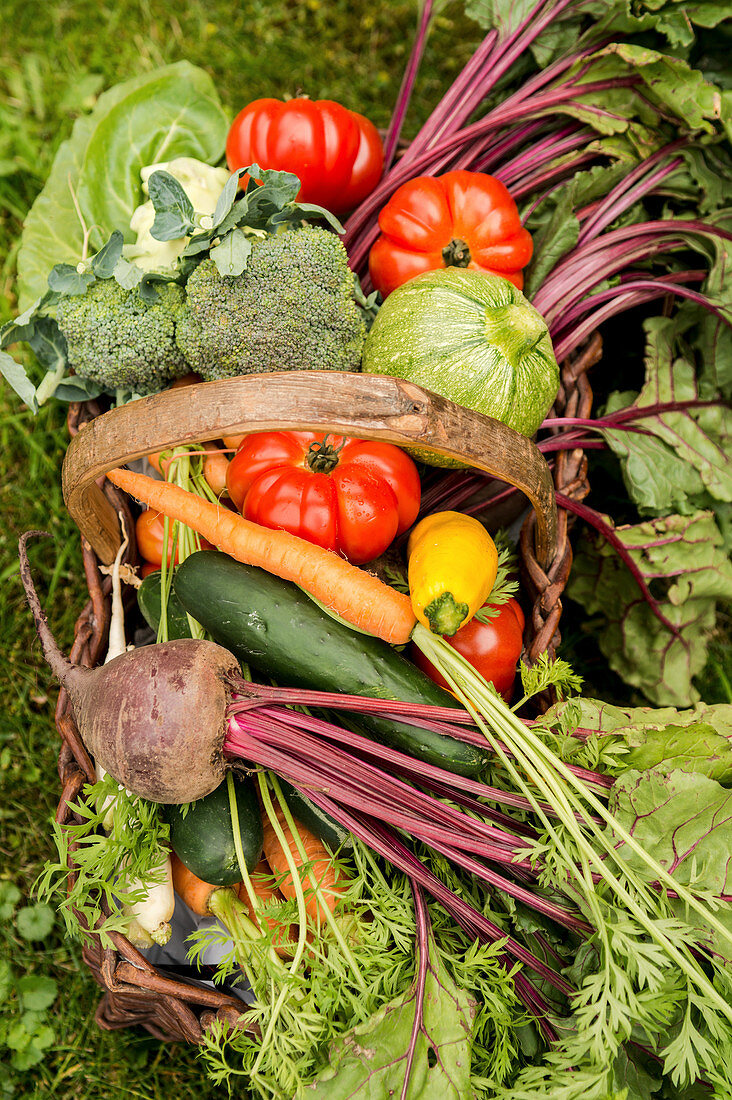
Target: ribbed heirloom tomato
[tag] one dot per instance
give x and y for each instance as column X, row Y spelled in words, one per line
column 493, row 648
column 336, row 153
column 461, row 219
column 348, row 495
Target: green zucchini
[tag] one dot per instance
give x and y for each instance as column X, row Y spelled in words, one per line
column 148, row 600
column 332, row 834
column 276, row 628
column 203, row 838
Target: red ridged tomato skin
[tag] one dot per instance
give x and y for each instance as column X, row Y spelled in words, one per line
column 493, row 648
column 462, row 219
column 350, row 496
column 336, row 154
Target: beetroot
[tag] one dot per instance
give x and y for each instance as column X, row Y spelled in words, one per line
column 154, row 718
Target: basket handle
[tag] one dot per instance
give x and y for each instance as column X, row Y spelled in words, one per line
column 367, row 406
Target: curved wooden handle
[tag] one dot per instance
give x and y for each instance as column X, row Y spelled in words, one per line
column 367, row 406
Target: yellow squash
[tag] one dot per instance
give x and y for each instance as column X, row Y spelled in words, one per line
column 452, row 569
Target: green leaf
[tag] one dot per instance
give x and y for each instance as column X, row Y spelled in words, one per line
column 713, row 343
column 127, row 274
column 6, row 981
column 671, row 85
column 52, row 231
column 170, row 112
column 105, row 262
column 35, row 922
column 299, row 211
column 10, row 895
column 17, row 1037
column 695, row 740
column 65, row 279
column 48, row 343
column 37, row 992
column 280, row 188
column 687, row 453
column 685, row 821
column 369, row 1062
column 76, row 388
column 554, row 225
column 15, row 375
column 682, row 557
column 629, row 1073
column 173, row 209
column 226, row 199
column 232, row 254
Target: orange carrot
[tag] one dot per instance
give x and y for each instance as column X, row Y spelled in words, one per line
column 192, row 890
column 358, row 597
column 318, row 857
column 157, row 463
column 221, row 902
column 260, row 878
column 215, row 464
column 231, row 442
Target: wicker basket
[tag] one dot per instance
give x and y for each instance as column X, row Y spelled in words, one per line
column 135, row 992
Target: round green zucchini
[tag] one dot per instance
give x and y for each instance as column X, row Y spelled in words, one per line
column 471, row 337
column 203, row 838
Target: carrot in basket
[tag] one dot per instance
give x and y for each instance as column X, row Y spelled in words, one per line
column 320, row 861
column 214, row 466
column 232, row 442
column 358, row 597
column 260, row 879
column 199, row 896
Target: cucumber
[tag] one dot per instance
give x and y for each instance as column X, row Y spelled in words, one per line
column 332, row 834
column 203, row 838
column 276, row 628
column 148, row 600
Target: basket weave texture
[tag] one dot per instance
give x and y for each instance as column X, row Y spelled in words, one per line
column 135, row 992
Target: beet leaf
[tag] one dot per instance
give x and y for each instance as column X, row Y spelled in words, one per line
column 683, row 558
column 682, row 460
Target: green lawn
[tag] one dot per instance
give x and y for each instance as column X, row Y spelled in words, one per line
column 57, row 59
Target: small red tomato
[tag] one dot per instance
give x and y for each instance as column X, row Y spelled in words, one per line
column 347, row 495
column 492, row 648
column 336, row 154
column 150, row 531
column 460, row 219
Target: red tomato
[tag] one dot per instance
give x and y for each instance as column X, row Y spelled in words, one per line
column 336, row 154
column 461, row 219
column 149, row 531
column 493, row 648
column 348, row 495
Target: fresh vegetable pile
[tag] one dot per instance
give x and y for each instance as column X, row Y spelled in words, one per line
column 315, row 755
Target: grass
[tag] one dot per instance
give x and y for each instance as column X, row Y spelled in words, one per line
column 58, row 58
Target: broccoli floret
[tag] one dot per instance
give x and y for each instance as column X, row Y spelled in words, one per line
column 120, row 341
column 292, row 309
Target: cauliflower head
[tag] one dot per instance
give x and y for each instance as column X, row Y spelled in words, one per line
column 203, row 185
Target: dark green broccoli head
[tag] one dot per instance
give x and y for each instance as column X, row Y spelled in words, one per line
column 291, row 309
column 120, row 341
